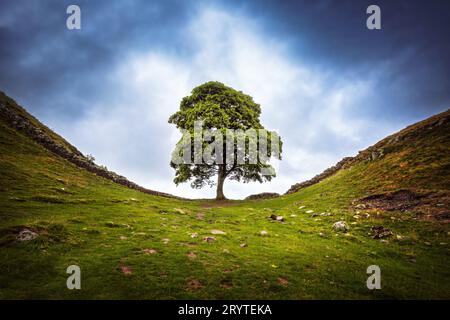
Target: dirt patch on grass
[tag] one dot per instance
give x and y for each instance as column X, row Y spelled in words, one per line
column 226, row 284
column 128, row 271
column 194, row 285
column 427, row 205
column 397, row 200
column 282, row 281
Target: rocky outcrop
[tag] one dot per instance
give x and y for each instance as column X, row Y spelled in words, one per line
column 14, row 116
column 327, row 173
column 378, row 151
column 264, row 195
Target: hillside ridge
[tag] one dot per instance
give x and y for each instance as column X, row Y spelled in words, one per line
column 19, row 119
column 379, row 149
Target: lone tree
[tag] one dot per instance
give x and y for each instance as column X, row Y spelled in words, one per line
column 230, row 134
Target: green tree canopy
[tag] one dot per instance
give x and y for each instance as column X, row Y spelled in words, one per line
column 222, row 109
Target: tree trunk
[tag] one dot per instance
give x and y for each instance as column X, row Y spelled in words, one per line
column 220, row 180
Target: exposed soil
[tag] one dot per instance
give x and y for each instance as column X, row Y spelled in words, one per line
column 398, row 200
column 429, row 206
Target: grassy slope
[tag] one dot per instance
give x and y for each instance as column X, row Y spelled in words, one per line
column 416, row 158
column 83, row 224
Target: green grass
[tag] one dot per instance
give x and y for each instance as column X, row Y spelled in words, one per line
column 100, row 226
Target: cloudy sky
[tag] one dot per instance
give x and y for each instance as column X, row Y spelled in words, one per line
column 325, row 82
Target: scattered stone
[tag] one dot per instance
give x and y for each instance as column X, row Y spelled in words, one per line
column 427, row 243
column 243, row 245
column 123, row 238
column 293, row 215
column 194, row 235
column 264, row 233
column 309, row 211
column 217, row 232
column 321, row 234
column 347, row 235
column 277, row 218
column 209, row 239
column 111, row 224
column 282, row 281
column 150, row 251
column 165, row 240
column 380, row 232
column 301, row 207
column 399, row 237
column 26, row 235
column 356, row 216
column 340, row 226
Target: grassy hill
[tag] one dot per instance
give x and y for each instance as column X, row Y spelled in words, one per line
column 132, row 244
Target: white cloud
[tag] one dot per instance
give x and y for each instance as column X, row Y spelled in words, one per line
column 305, row 105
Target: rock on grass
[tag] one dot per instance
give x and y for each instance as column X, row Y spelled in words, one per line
column 340, row 226
column 150, row 251
column 209, row 239
column 26, row 235
column 218, row 232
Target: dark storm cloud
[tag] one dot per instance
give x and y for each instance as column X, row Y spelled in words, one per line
column 43, row 63
column 52, row 69
column 413, row 44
